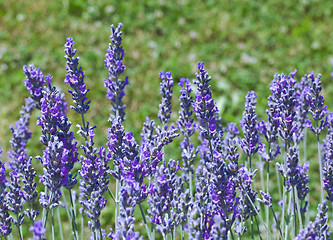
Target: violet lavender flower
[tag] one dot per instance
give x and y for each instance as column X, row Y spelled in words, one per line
column 60, row 153
column 126, row 219
column 204, row 105
column 5, row 217
column 317, row 108
column 166, row 91
column 34, row 82
column 75, row 78
column 95, row 180
column 318, row 229
column 283, row 99
column 38, row 230
column 328, row 160
column 114, row 62
column 251, row 141
column 161, row 197
column 18, row 155
column 302, row 185
column 186, row 125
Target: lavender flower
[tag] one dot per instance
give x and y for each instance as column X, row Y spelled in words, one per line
column 162, row 195
column 266, row 199
column 95, row 180
column 75, row 77
column 204, row 106
column 114, row 62
column 60, row 154
column 5, row 217
column 283, row 99
column 34, row 82
column 318, row 229
column 15, row 197
column 166, row 91
column 302, row 185
column 18, row 155
column 328, row 160
column 126, row 218
column 249, row 123
column 186, row 125
column 317, row 108
column 38, row 231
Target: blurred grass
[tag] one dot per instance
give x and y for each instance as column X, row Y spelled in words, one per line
column 243, row 43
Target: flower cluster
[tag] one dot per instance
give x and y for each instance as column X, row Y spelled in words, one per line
column 114, row 62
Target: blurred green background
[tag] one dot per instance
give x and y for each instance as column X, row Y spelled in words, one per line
column 243, row 44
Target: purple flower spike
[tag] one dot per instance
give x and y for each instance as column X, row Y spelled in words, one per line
column 166, row 91
column 75, row 78
column 114, row 62
column 5, row 217
column 38, row 230
column 186, row 124
column 34, row 82
column 204, row 105
column 250, row 142
column 317, row 108
column 266, row 199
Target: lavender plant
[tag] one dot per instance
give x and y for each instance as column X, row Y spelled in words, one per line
column 224, row 203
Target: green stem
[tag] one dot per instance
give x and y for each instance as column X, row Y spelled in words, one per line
column 60, row 226
column 52, row 218
column 111, row 194
column 144, row 220
column 267, row 187
column 255, row 209
column 117, row 202
column 294, row 206
column 18, row 228
column 74, row 227
column 277, row 223
column 255, row 218
column 320, row 169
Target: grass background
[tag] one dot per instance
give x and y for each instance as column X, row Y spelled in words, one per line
column 243, row 43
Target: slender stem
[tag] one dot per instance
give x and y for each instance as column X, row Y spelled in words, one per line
column 111, row 194
column 65, row 202
column 60, row 226
column 232, row 235
column 190, row 179
column 320, row 169
column 284, row 184
column 100, row 233
column 286, row 227
column 82, row 226
column 252, row 234
column 255, row 218
column 117, row 202
column 182, row 231
column 277, row 223
column 144, row 220
column 52, row 218
column 294, row 206
column 18, row 228
column 74, row 228
column 267, row 187
column 255, row 209
column 47, row 210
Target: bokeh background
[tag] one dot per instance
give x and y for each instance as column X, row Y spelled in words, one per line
column 243, row 44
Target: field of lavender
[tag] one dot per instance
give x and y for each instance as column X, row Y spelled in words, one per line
column 202, row 165
column 213, row 197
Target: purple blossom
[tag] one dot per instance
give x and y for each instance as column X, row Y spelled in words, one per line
column 5, row 217
column 266, row 199
column 18, row 154
column 283, row 99
column 204, row 106
column 317, row 108
column 126, row 218
column 60, row 154
column 186, row 125
column 75, row 78
column 94, row 183
column 249, row 123
column 302, row 185
column 15, row 197
column 38, row 230
column 162, row 196
column 34, row 82
column 166, row 91
column 318, row 229
column 114, row 62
